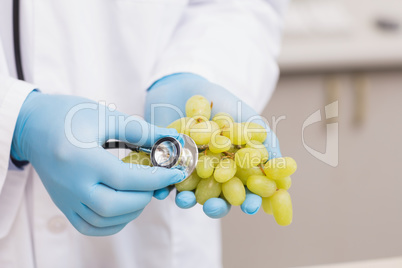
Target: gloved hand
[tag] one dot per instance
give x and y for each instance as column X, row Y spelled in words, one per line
column 175, row 90
column 61, row 136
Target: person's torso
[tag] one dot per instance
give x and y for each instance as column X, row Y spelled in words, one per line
column 100, row 49
column 104, row 50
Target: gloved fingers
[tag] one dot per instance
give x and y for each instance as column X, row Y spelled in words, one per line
column 161, row 194
column 97, row 220
column 272, row 145
column 87, row 229
column 125, row 177
column 137, row 131
column 216, row 208
column 108, row 202
column 185, row 199
column 252, row 203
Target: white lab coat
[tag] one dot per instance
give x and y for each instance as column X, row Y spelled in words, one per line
column 112, row 50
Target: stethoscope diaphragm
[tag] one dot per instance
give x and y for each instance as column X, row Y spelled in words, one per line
column 167, row 152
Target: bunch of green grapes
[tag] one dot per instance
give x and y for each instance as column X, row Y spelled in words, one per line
column 232, row 157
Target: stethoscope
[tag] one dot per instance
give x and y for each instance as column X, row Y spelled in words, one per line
column 17, row 40
column 167, row 152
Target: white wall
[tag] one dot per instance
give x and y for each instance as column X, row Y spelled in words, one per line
column 351, row 212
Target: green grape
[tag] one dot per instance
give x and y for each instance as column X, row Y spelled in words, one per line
column 244, row 173
column 281, row 204
column 206, row 189
column 234, row 191
column 202, row 132
column 236, row 133
column 188, row 184
column 223, row 120
column 248, row 158
column 205, row 167
column 255, row 131
column 225, row 170
column 266, row 205
column 261, row 185
column 137, row 158
column 219, row 144
column 228, row 132
column 198, row 107
column 284, row 183
column 279, row 168
column 183, row 125
column 260, row 147
column 216, row 158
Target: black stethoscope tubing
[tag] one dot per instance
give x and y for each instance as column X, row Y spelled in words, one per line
column 17, row 40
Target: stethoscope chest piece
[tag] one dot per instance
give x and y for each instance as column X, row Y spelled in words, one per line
column 167, row 152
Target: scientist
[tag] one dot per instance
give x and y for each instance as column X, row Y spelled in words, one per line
column 56, row 56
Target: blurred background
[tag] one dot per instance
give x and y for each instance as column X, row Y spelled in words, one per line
column 348, row 51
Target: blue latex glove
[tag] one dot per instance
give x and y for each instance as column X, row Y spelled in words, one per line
column 97, row 192
column 175, row 90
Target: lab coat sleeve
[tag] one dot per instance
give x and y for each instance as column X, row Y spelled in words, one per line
column 12, row 95
column 233, row 43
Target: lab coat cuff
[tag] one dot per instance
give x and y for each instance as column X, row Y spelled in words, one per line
column 13, row 94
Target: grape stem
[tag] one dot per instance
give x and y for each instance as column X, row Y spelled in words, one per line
column 263, row 172
column 202, row 148
column 229, row 154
